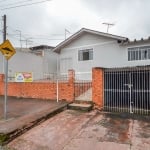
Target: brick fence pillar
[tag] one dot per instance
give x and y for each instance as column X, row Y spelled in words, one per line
column 98, row 86
column 71, row 75
column 71, row 80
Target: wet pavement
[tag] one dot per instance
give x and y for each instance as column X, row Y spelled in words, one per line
column 74, row 130
column 18, row 107
column 23, row 112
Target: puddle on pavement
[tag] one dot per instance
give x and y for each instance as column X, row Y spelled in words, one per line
column 117, row 129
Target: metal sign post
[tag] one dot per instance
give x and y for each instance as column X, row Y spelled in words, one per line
column 8, row 51
column 6, row 88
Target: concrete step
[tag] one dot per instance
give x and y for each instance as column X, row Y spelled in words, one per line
column 83, row 102
column 79, row 106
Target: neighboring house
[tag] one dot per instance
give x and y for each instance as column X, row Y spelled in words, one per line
column 25, row 62
column 49, row 59
column 88, row 48
column 137, row 52
column 40, row 60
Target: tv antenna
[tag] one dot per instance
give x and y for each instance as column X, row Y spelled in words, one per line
column 108, row 25
column 66, row 31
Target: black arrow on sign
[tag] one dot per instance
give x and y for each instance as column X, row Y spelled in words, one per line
column 7, row 49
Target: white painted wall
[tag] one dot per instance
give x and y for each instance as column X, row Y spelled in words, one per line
column 26, row 62
column 49, row 61
column 106, row 53
column 29, row 62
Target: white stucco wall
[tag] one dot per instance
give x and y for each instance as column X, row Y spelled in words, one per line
column 107, row 53
column 49, row 61
column 25, row 62
column 40, row 66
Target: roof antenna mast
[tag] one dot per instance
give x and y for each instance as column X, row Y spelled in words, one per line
column 66, row 31
column 108, row 25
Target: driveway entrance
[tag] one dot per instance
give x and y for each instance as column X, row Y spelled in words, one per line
column 74, row 130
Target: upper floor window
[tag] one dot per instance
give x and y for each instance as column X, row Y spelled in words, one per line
column 139, row 53
column 86, row 54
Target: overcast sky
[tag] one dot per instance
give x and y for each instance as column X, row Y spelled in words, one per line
column 45, row 23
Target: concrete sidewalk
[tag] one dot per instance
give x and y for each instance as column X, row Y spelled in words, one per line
column 74, row 130
column 25, row 113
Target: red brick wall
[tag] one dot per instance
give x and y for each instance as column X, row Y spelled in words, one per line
column 1, row 83
column 66, row 88
column 47, row 90
column 32, row 90
column 42, row 90
column 98, row 86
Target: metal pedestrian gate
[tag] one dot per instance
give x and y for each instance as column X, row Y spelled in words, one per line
column 83, row 86
column 83, row 90
column 127, row 90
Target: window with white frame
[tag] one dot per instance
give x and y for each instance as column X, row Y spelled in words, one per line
column 139, row 53
column 86, row 54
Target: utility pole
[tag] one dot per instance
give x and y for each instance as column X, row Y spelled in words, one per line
column 108, row 25
column 6, row 70
column 20, row 38
column 27, row 41
column 4, row 28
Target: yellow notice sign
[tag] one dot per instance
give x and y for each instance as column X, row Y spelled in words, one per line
column 7, row 49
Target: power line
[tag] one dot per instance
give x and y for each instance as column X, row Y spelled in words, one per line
column 38, row 35
column 17, row 2
column 29, row 4
column 47, row 38
column 3, row 0
column 16, row 35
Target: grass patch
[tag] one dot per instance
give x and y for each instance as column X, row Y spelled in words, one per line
column 3, row 138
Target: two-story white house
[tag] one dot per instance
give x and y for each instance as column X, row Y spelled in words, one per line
column 88, row 48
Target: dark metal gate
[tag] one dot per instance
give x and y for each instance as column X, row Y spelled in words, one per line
column 83, row 90
column 83, row 86
column 127, row 90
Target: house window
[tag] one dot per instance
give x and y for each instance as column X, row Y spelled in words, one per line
column 139, row 53
column 86, row 54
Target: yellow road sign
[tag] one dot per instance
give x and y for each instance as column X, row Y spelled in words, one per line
column 7, row 49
